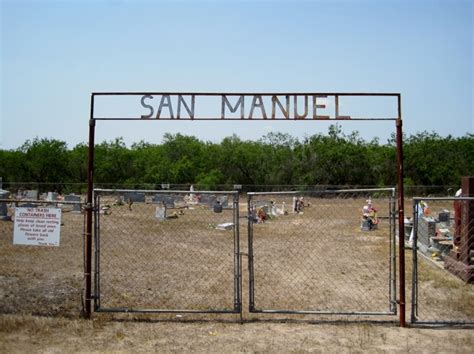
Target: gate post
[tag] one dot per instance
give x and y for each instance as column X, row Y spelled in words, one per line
column 88, row 235
column 401, row 216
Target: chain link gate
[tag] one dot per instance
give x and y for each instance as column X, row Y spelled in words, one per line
column 317, row 253
column 167, row 251
column 188, row 101
column 442, row 242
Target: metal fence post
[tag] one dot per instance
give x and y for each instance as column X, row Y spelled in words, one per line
column 401, row 217
column 88, row 235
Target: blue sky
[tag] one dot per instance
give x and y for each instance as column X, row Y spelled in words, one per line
column 55, row 53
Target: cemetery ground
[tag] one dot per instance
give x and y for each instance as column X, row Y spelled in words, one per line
column 187, row 263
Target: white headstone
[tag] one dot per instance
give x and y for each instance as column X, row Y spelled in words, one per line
column 160, row 212
column 52, row 196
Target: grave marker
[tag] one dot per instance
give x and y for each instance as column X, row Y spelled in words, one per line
column 135, row 197
column 76, row 208
column 31, row 194
column 3, row 205
column 160, row 212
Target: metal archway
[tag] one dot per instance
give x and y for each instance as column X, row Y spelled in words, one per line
column 283, row 107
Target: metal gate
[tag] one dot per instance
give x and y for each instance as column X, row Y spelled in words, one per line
column 322, row 252
column 442, row 242
column 166, row 251
column 221, row 99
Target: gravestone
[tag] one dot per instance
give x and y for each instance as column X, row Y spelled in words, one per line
column 262, row 203
column 76, row 208
column 204, row 198
column 136, row 197
column 166, row 199
column 217, row 207
column 426, row 230
column 52, row 196
column 3, row 205
column 444, row 217
column 169, row 201
column 160, row 212
column 31, row 194
column 224, row 200
column 365, row 226
column 158, row 198
column 211, row 201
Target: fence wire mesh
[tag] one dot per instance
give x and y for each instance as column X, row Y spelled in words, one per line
column 41, row 279
column 441, row 233
column 322, row 252
column 167, row 251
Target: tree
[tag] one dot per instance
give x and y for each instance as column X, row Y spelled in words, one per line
column 46, row 162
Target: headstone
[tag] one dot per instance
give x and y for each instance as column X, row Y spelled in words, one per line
column 224, row 200
column 426, row 230
column 225, row 226
column 365, row 226
column 444, row 217
column 158, row 198
column 211, row 201
column 274, row 210
column 31, row 194
column 76, row 207
column 160, row 212
column 167, row 199
column 204, row 198
column 3, row 205
column 52, row 196
column 217, row 207
column 136, row 197
column 262, row 203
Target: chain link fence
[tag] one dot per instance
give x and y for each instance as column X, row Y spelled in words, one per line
column 167, row 251
column 38, row 278
column 329, row 252
column 172, row 251
column 441, row 233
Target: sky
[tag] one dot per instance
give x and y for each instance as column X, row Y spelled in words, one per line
column 55, row 53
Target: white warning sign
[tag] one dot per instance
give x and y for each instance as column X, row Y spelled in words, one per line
column 37, row 226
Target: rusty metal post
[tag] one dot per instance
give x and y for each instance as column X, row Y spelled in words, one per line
column 88, row 235
column 401, row 215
